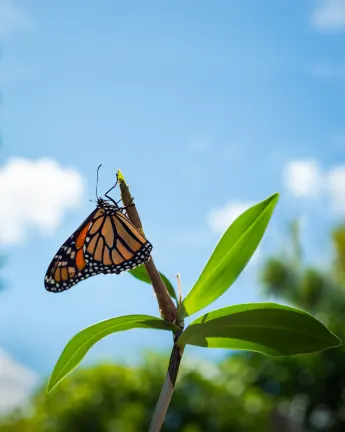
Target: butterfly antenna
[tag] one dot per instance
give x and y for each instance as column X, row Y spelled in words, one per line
column 97, row 181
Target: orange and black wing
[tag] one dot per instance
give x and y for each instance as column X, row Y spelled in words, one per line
column 113, row 244
column 69, row 265
column 106, row 242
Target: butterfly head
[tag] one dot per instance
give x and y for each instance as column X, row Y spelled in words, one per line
column 106, row 204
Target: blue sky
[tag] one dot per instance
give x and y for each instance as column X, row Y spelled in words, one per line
column 205, row 106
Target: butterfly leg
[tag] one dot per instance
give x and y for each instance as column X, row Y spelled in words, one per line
column 131, row 204
column 113, row 187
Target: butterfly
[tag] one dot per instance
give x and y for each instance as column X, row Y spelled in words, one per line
column 106, row 242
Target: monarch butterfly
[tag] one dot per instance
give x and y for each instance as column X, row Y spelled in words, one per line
column 106, row 242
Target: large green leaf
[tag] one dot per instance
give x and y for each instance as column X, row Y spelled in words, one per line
column 140, row 273
column 267, row 328
column 80, row 344
column 230, row 256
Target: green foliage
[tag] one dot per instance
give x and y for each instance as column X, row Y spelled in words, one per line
column 80, row 344
column 312, row 286
column 267, row 328
column 141, row 274
column 278, row 277
column 230, row 256
column 121, row 398
column 338, row 237
column 309, row 388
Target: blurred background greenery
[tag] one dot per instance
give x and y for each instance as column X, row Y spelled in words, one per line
column 245, row 392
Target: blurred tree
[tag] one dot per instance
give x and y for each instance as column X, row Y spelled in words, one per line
column 338, row 237
column 309, row 390
column 121, row 398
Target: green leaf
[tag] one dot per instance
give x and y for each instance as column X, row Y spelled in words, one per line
column 80, row 344
column 230, row 256
column 140, row 273
column 267, row 328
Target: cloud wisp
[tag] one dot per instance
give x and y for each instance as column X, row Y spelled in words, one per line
column 303, row 177
column 219, row 219
column 329, row 15
column 36, row 194
column 306, row 179
column 16, row 383
column 13, row 19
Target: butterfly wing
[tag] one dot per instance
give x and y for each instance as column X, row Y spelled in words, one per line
column 106, row 242
column 113, row 244
column 69, row 265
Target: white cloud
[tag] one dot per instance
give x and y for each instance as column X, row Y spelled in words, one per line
column 220, row 218
column 35, row 194
column 13, row 19
column 303, row 177
column 306, row 178
column 16, row 383
column 329, row 15
column 336, row 188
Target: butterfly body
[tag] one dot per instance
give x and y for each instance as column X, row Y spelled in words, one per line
column 106, row 242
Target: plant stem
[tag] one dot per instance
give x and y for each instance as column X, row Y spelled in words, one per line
column 167, row 308
column 166, row 391
column 168, row 312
